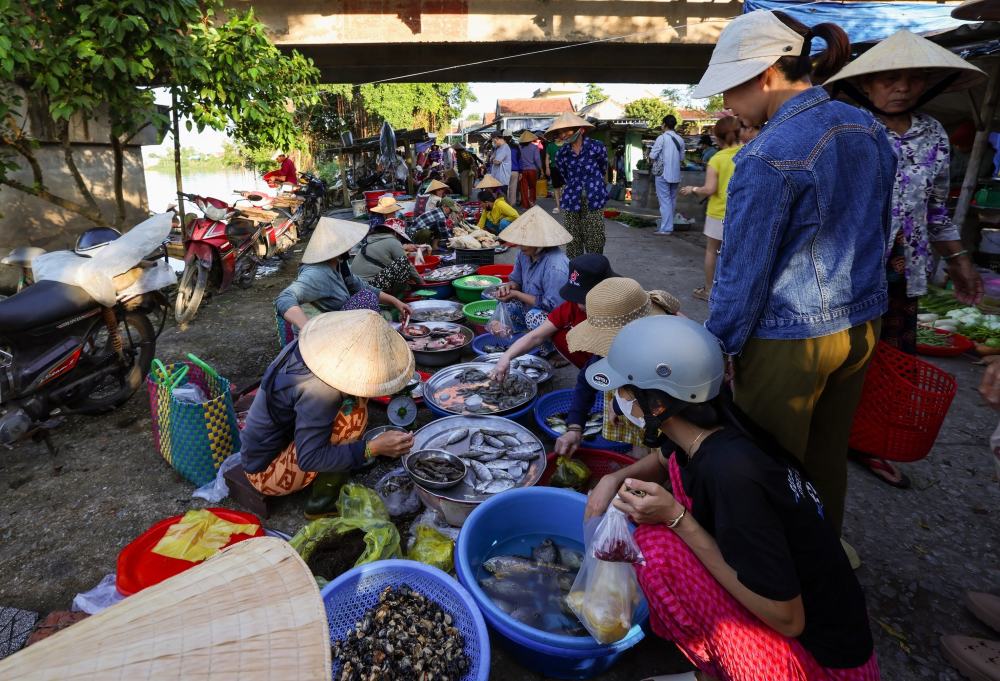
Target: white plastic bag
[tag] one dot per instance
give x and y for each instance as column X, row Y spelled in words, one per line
column 218, row 489
column 189, row 392
column 501, row 325
column 418, row 259
column 398, row 492
column 102, row 596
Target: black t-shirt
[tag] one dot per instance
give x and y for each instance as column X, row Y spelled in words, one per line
column 767, row 519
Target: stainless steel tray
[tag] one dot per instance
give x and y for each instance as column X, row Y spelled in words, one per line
column 440, row 358
column 462, row 492
column 444, row 377
column 421, row 307
column 522, row 361
column 464, row 271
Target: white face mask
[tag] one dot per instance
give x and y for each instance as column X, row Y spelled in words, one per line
column 626, row 407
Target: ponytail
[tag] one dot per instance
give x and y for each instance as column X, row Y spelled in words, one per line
column 727, row 130
column 824, row 65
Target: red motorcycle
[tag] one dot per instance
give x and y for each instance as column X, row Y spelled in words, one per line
column 282, row 232
column 221, row 248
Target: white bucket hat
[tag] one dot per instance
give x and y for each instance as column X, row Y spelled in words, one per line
column 333, row 237
column 747, row 47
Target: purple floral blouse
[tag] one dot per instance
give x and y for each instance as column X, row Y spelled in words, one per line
column 919, row 214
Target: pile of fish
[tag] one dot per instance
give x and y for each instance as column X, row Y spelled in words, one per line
column 533, row 590
column 437, row 468
column 438, row 314
column 450, row 272
column 426, row 339
column 489, row 396
column 481, row 282
column 535, row 368
column 496, row 459
column 404, row 636
column 591, row 429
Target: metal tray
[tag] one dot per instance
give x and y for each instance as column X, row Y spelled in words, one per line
column 421, row 307
column 440, row 358
column 445, row 377
column 465, row 271
column 524, row 360
column 462, row 492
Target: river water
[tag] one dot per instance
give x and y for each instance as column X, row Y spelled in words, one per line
column 162, row 190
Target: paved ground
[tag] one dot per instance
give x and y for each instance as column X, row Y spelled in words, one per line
column 65, row 518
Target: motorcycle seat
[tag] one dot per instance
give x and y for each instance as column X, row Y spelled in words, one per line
column 239, row 230
column 43, row 303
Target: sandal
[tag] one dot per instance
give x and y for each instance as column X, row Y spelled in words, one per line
column 881, row 469
column 984, row 606
column 976, row 658
column 701, row 294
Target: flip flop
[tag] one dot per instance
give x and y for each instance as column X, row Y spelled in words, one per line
column 984, row 606
column 976, row 658
column 701, row 294
column 881, row 469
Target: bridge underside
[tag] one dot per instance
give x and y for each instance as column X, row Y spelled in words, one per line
column 611, row 62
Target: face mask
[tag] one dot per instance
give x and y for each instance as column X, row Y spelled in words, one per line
column 571, row 139
column 626, row 407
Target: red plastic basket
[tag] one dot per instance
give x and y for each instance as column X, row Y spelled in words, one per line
column 903, row 403
column 431, row 262
column 502, row 271
column 599, row 461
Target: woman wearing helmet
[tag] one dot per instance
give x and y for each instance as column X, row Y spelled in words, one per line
column 743, row 572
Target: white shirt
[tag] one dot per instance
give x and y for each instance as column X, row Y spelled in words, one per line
column 669, row 145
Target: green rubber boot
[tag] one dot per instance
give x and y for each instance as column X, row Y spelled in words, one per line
column 324, row 493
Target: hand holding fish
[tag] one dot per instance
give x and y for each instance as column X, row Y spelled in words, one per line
column 647, row 503
column 501, row 368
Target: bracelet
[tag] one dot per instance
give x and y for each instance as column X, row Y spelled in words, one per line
column 575, row 427
column 369, row 454
column 962, row 252
column 676, row 521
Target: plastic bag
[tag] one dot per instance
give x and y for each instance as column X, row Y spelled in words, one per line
column 397, row 491
column 418, row 259
column 381, row 537
column 613, row 541
column 570, row 473
column 190, row 393
column 432, row 518
column 102, row 596
column 433, row 548
column 218, row 489
column 199, row 535
column 501, row 324
column 361, row 503
column 604, row 597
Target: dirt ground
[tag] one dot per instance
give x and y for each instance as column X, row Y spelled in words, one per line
column 65, row 517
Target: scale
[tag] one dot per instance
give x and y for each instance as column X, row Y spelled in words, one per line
column 402, row 410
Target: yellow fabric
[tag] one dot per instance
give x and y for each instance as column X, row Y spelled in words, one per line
column 199, row 535
column 501, row 209
column 723, row 164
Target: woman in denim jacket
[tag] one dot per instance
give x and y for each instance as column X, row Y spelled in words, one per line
column 800, row 287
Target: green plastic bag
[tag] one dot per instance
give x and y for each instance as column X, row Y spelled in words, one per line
column 358, row 502
column 381, row 538
column 433, row 548
column 570, row 473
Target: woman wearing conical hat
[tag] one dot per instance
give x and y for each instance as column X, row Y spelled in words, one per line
column 893, row 80
column 312, row 407
column 583, row 163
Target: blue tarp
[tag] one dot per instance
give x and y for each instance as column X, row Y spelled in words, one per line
column 866, row 21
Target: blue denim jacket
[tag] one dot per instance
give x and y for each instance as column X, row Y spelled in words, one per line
column 807, row 226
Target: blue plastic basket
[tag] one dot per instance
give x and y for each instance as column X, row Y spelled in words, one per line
column 480, row 342
column 348, row 597
column 559, row 402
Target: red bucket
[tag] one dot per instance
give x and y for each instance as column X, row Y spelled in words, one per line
column 502, row 271
column 903, row 403
column 430, row 262
column 599, row 461
column 371, row 198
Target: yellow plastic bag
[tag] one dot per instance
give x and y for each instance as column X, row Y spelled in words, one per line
column 360, row 502
column 570, row 473
column 433, row 548
column 199, row 535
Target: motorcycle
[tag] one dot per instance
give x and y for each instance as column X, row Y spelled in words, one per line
column 68, row 349
column 223, row 248
column 313, row 190
column 279, row 235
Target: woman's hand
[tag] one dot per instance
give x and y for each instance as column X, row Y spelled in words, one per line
column 392, row 444
column 404, row 309
column 505, row 292
column 568, row 443
column 656, row 506
column 501, row 368
column 968, row 283
column 600, row 497
column 686, row 191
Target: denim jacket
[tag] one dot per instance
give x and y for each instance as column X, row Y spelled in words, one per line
column 807, row 226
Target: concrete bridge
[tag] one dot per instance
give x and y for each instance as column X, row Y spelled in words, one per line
column 359, row 41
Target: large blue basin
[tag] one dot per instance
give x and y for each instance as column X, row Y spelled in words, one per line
column 529, row 511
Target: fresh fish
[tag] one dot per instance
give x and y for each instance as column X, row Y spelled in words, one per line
column 505, row 606
column 522, row 455
column 448, row 438
column 503, row 588
column 487, row 457
column 558, row 429
column 526, row 447
column 498, row 486
column 486, row 449
column 495, row 433
column 555, row 421
column 546, row 552
column 470, row 478
column 566, row 581
column 476, row 439
column 511, row 566
column 502, row 465
column 500, row 474
column 595, row 419
column 527, row 615
column 570, row 558
column 482, row 472
column 593, row 430
column 491, row 441
column 509, row 440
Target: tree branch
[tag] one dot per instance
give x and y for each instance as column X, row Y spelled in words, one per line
column 119, row 155
column 23, row 149
column 81, row 185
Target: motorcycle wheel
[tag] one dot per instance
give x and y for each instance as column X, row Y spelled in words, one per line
column 246, row 271
column 112, row 391
column 190, row 291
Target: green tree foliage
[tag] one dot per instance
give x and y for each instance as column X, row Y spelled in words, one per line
column 650, row 109
column 594, row 94
column 102, row 58
column 673, row 95
column 714, row 104
column 416, row 105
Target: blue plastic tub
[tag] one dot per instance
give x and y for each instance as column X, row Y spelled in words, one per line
column 558, row 402
column 514, row 415
column 442, row 291
column 535, row 510
column 349, row 596
column 480, row 342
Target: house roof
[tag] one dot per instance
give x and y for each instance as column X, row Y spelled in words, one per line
column 489, row 118
column 536, row 107
column 698, row 115
column 604, row 110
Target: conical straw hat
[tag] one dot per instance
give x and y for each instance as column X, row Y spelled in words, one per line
column 535, row 227
column 435, row 185
column 357, row 353
column 527, row 136
column 251, row 613
column 489, row 182
column 611, row 305
column 568, row 120
column 905, row 50
column 333, row 237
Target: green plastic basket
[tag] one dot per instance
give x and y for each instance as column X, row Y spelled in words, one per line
column 479, row 312
column 469, row 294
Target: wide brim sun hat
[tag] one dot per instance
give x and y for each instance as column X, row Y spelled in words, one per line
column 386, row 205
column 357, row 353
column 489, row 182
column 611, row 305
column 535, row 227
column 904, row 50
column 253, row 612
column 398, row 227
column 568, row 120
column 435, row 185
column 748, row 45
column 332, row 238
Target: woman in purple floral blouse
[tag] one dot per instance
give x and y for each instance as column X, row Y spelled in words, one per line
column 583, row 163
column 893, row 79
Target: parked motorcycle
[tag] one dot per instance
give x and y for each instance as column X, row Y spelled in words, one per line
column 313, row 190
column 65, row 350
column 223, row 248
column 282, row 232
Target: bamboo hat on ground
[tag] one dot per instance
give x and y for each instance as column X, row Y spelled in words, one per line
column 535, row 227
column 611, row 305
column 357, row 353
column 332, row 238
column 527, row 136
column 436, row 185
column 386, row 204
column 568, row 120
column 252, row 613
column 489, row 182
column 904, row 50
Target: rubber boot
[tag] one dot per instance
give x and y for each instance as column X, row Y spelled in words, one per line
column 323, row 496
